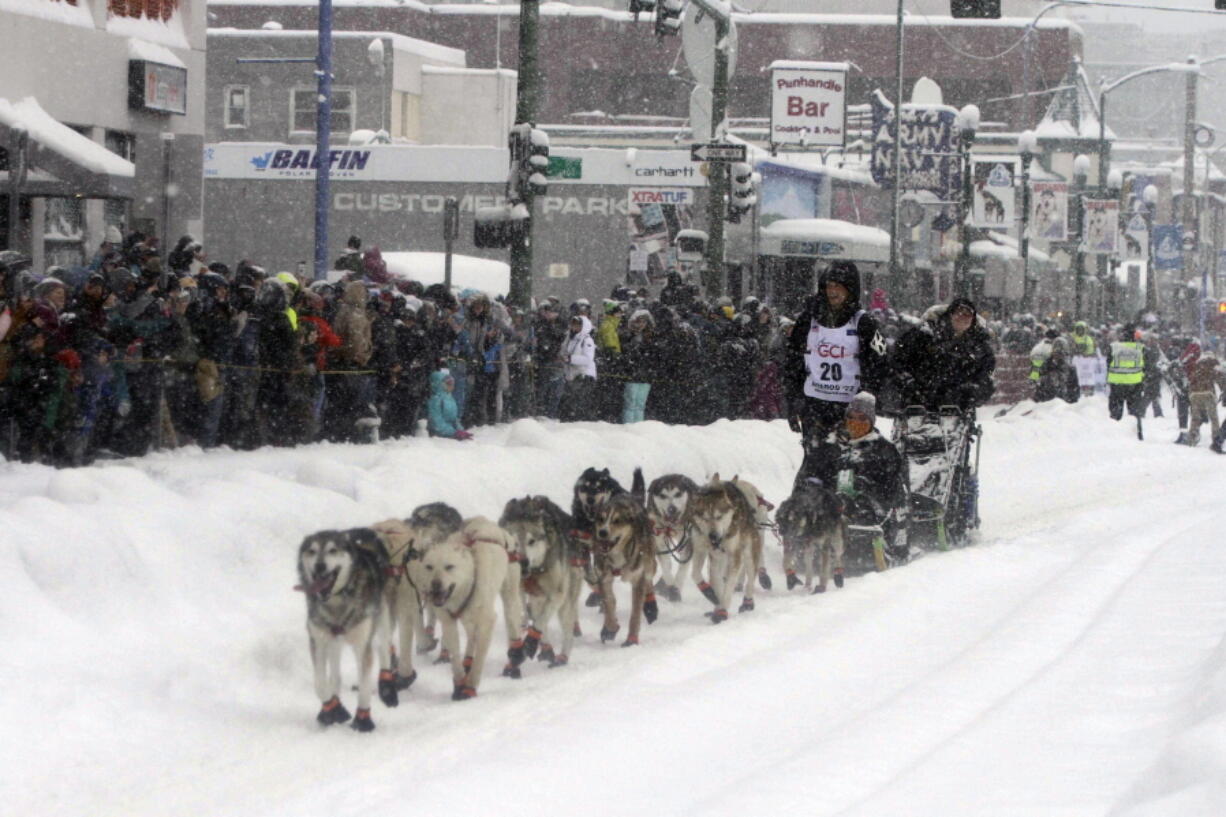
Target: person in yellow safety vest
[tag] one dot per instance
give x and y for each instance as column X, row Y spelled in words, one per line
column 1083, row 341
column 1040, row 353
column 1126, row 377
column 291, row 292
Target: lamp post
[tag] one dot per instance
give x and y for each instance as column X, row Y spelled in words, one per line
column 1081, row 169
column 1149, row 199
column 1027, row 146
column 1115, row 183
column 968, row 123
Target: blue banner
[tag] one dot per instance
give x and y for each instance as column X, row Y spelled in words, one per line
column 930, row 141
column 1168, row 246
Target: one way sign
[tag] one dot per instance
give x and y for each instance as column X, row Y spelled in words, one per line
column 717, row 152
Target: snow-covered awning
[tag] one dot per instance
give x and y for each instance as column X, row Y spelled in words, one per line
column 826, row 239
column 82, row 166
column 467, row 271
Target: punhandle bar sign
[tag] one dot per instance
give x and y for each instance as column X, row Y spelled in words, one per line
column 808, row 103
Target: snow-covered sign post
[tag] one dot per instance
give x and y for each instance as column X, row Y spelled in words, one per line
column 931, row 145
column 808, row 103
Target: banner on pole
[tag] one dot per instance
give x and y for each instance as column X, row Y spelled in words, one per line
column 1168, row 250
column 1049, row 211
column 993, row 207
column 1135, row 239
column 1101, row 226
column 931, row 147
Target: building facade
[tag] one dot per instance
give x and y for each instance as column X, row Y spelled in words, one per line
column 101, row 123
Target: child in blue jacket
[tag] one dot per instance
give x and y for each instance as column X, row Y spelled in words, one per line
column 441, row 411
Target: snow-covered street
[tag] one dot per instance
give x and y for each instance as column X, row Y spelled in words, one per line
column 1073, row 662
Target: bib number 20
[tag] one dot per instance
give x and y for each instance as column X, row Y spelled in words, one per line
column 831, row 372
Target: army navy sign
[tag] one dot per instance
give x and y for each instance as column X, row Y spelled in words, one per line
column 931, row 143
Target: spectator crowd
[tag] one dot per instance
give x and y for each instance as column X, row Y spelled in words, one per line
column 142, row 349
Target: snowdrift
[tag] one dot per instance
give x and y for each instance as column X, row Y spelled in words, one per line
column 1071, row 662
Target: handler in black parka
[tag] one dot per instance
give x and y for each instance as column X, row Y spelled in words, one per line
column 835, row 351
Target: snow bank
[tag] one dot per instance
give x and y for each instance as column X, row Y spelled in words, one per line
column 467, row 271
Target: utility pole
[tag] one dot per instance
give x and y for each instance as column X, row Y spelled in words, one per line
column 895, row 131
column 323, row 147
column 1188, row 214
column 527, row 101
column 717, row 172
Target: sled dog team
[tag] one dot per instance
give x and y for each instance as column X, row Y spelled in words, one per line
column 363, row 586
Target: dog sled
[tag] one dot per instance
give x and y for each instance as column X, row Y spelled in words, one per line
column 941, row 452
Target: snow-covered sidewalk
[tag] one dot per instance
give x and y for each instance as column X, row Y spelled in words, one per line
column 1073, row 662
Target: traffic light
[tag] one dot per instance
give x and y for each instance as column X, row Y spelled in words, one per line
column 537, row 169
column 668, row 17
column 986, row 9
column 491, row 227
column 1221, row 305
column 743, row 193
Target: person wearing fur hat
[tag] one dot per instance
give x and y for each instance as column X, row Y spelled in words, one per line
column 945, row 361
column 866, row 469
column 835, row 352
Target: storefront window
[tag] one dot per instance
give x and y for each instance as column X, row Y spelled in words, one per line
column 64, row 231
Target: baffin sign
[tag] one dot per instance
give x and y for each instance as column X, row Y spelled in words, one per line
column 808, row 103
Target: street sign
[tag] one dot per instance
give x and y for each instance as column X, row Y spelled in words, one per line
column 717, row 152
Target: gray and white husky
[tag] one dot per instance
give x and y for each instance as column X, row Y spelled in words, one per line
column 342, row 574
column 668, row 511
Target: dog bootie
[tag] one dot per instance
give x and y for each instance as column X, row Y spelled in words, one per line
column 463, row 692
column 594, row 599
column 561, row 661
column 546, row 653
column 838, row 578
column 608, row 634
column 718, row 616
column 672, row 593
column 362, row 721
column 792, row 579
column 746, row 606
column 403, row 682
column 333, row 711
column 631, row 641
column 651, row 609
column 532, row 641
column 516, row 652
column 764, row 578
column 387, row 688
column 512, row 671
column 709, row 592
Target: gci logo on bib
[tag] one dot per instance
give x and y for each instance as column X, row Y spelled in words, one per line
column 832, row 362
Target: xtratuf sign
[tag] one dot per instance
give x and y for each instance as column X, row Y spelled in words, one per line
column 808, row 103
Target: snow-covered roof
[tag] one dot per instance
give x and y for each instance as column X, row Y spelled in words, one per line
column 139, row 49
column 400, row 42
column 825, row 238
column 78, row 14
column 57, row 137
column 556, row 9
column 1073, row 110
column 1005, row 247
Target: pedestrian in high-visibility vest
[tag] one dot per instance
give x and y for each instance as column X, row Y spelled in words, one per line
column 1126, row 377
column 1083, row 341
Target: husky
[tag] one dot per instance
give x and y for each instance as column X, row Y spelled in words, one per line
column 461, row 577
column 343, row 574
column 814, row 532
column 668, row 500
column 404, row 601
column 724, row 516
column 430, row 524
column 553, row 573
column 993, row 207
column 592, row 490
column 623, row 547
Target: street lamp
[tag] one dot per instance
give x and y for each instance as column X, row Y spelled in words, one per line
column 1149, row 199
column 1081, row 170
column 1115, row 183
column 968, row 123
column 1027, row 146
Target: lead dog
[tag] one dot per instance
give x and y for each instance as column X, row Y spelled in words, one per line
column 668, row 513
column 592, row 490
column 623, row 547
column 342, row 574
column 814, row 532
column 462, row 576
column 723, row 515
column 553, row 572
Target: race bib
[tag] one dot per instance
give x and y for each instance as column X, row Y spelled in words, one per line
column 832, row 361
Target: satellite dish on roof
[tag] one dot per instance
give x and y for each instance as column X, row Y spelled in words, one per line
column 698, row 45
